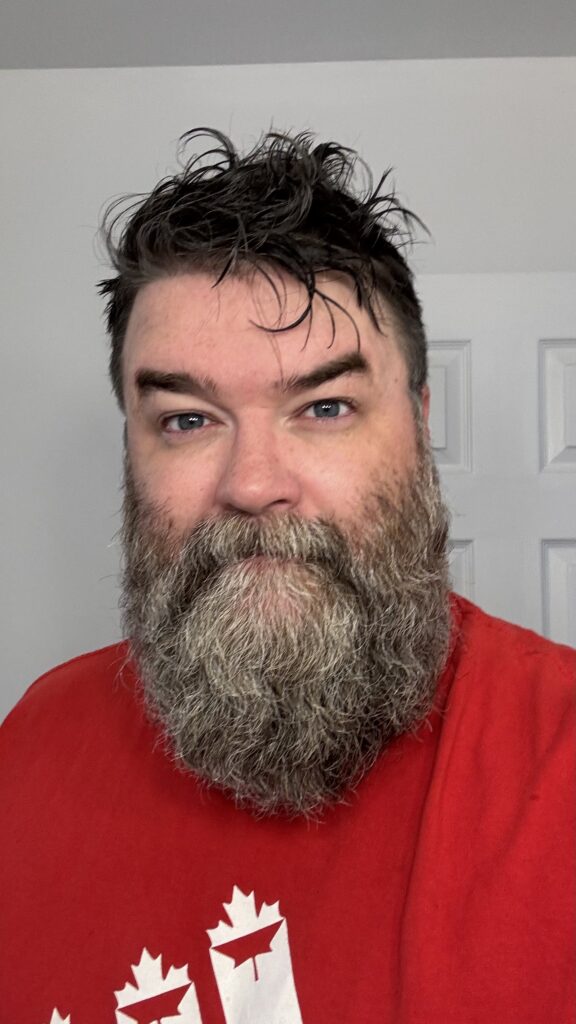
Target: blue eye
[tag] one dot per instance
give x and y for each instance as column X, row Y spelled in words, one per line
column 184, row 422
column 327, row 409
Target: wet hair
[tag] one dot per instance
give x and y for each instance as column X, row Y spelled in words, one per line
column 290, row 205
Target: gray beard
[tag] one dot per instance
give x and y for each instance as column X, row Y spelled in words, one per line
column 281, row 679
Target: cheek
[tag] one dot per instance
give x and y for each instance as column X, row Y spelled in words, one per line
column 403, row 447
column 183, row 496
column 338, row 488
column 384, row 471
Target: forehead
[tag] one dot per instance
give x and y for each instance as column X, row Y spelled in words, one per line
column 230, row 331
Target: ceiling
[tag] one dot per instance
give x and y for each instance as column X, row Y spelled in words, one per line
column 139, row 33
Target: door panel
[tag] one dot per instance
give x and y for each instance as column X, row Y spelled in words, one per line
column 503, row 427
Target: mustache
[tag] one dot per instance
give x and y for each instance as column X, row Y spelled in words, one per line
column 216, row 544
column 191, row 561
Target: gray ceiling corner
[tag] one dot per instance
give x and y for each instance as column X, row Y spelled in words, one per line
column 141, row 33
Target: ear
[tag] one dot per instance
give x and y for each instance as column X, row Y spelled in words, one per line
column 425, row 406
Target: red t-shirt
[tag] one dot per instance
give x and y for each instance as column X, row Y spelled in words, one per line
column 442, row 892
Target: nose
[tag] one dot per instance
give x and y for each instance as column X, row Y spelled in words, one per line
column 257, row 477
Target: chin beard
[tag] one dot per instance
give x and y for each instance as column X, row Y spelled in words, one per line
column 282, row 655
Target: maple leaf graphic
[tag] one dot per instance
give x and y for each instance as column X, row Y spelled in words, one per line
column 250, row 957
column 250, row 932
column 157, row 996
column 249, row 946
column 57, row 1019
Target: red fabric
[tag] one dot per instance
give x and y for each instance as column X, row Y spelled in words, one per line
column 443, row 892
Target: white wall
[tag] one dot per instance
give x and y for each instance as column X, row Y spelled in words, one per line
column 484, row 151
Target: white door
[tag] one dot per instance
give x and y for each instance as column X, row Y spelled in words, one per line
column 503, row 423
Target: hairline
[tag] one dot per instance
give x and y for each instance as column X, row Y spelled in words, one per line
column 381, row 310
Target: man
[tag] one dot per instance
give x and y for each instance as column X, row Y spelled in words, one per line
column 313, row 786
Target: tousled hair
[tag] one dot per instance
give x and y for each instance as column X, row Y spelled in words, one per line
column 288, row 205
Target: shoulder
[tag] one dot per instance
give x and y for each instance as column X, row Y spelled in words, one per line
column 83, row 685
column 512, row 678
column 486, row 637
column 70, row 726
column 92, row 664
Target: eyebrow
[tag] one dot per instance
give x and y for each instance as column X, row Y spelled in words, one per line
column 353, row 362
column 148, row 380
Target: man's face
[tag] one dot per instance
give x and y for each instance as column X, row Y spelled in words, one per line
column 266, row 424
column 285, row 584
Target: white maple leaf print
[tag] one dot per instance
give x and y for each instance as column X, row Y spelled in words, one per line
column 243, row 917
column 250, row 956
column 157, row 998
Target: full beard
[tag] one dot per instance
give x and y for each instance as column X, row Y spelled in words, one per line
column 281, row 655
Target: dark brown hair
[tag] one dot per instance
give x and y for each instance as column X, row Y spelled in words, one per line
column 290, row 204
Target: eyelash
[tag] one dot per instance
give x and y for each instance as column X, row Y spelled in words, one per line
column 319, row 401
